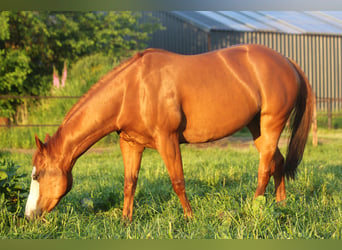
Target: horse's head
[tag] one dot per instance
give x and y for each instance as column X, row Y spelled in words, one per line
column 50, row 182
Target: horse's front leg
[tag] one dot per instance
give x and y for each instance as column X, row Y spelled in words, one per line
column 168, row 147
column 131, row 154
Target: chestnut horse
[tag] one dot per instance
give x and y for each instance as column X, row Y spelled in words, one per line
column 159, row 99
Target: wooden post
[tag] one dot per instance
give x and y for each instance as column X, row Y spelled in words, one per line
column 329, row 114
column 314, row 124
column 4, row 122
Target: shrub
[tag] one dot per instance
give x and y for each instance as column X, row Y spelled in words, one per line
column 12, row 190
column 90, row 68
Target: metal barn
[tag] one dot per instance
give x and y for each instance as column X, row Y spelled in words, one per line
column 312, row 38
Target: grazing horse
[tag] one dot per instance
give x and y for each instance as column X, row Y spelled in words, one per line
column 159, row 99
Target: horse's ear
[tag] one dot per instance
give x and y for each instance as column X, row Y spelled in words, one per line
column 39, row 143
column 47, row 137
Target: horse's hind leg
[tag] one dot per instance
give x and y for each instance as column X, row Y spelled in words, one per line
column 278, row 175
column 266, row 136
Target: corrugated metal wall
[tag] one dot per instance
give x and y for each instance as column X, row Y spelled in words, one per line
column 179, row 36
column 319, row 55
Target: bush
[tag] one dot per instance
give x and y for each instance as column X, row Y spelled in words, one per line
column 90, row 68
column 12, row 190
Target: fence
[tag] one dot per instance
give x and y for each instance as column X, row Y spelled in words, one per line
column 328, row 103
column 327, row 113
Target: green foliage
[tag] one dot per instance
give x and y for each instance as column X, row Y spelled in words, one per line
column 85, row 72
column 28, row 32
column 4, row 31
column 32, row 43
column 12, row 190
column 14, row 69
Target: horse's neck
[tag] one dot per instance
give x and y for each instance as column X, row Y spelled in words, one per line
column 93, row 117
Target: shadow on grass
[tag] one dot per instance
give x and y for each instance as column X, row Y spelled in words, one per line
column 157, row 195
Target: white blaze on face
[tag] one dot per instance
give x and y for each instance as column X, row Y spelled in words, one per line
column 31, row 204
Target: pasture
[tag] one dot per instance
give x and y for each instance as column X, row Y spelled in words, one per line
column 220, row 181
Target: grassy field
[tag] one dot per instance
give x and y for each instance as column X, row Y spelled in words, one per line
column 220, row 181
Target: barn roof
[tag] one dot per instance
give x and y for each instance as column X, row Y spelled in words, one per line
column 296, row 22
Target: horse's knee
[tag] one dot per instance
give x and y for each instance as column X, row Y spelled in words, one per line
column 130, row 185
column 178, row 186
column 277, row 164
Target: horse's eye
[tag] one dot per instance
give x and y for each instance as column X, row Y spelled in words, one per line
column 35, row 177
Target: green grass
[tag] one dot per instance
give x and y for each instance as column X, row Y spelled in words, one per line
column 220, row 185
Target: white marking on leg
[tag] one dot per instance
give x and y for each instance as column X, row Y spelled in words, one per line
column 31, row 204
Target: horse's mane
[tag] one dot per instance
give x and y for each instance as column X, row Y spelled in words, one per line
column 99, row 84
column 110, row 75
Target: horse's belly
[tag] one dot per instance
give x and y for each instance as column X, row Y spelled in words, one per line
column 212, row 126
column 204, row 135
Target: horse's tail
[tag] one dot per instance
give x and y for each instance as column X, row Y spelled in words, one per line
column 301, row 120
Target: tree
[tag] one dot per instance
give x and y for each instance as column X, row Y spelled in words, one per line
column 14, row 68
column 33, row 43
